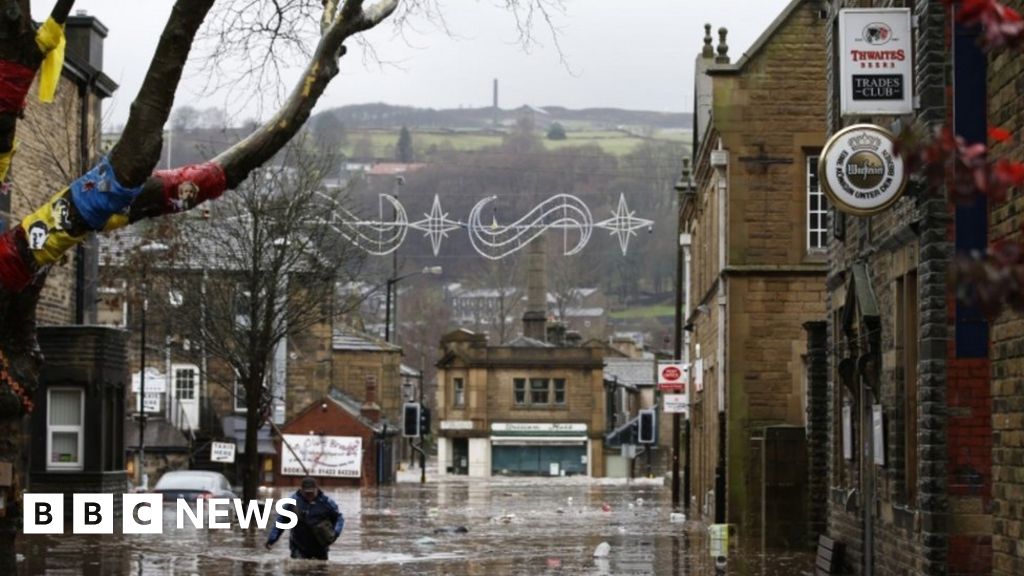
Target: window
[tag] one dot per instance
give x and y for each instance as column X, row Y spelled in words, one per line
column 65, row 408
column 817, row 210
column 539, row 393
column 559, row 391
column 519, row 391
column 460, row 392
column 239, row 393
column 185, row 383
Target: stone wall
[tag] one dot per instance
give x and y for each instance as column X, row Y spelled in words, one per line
column 1005, row 85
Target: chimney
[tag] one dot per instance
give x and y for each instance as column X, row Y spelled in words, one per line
column 536, row 316
column 370, row 409
column 85, row 36
column 573, row 339
column 556, row 333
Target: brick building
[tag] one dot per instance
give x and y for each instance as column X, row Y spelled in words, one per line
column 1005, row 73
column 899, row 394
column 754, row 219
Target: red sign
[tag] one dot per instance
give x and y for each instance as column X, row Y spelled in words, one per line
column 672, row 377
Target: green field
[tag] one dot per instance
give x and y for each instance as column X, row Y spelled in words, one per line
column 381, row 143
column 659, row 311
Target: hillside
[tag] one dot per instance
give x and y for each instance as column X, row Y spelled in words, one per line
column 386, row 116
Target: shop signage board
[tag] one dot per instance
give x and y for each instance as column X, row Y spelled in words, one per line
column 860, row 171
column 672, row 376
column 222, row 452
column 675, row 403
column 325, row 456
column 875, row 61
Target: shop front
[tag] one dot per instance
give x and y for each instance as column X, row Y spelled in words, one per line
column 539, row 449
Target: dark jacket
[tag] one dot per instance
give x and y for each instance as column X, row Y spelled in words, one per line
column 302, row 539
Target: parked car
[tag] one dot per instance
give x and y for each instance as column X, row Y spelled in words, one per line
column 192, row 485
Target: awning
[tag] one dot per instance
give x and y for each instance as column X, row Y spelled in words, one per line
column 535, row 440
column 234, row 429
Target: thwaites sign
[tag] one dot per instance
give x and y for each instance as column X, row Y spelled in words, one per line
column 875, row 61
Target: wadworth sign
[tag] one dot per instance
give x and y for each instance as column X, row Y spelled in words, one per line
column 875, row 61
column 859, row 171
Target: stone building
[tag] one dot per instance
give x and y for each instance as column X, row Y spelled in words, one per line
column 899, row 396
column 533, row 406
column 753, row 217
column 1005, row 73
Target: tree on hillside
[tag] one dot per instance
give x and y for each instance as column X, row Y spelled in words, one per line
column 330, row 131
column 123, row 188
column 403, row 149
column 556, row 131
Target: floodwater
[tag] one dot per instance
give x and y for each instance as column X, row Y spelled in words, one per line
column 514, row 526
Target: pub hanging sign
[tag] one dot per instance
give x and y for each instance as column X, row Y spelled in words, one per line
column 860, row 172
column 875, row 61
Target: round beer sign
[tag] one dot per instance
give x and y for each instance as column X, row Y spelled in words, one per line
column 859, row 172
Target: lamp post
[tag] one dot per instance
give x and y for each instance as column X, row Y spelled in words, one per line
column 684, row 186
column 148, row 249
column 431, row 270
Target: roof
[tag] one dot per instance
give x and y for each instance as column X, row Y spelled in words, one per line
column 392, row 168
column 352, row 341
column 584, row 312
column 409, row 371
column 759, row 43
column 354, row 409
column 527, row 342
column 630, row 372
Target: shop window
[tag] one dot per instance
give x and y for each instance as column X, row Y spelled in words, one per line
column 65, row 407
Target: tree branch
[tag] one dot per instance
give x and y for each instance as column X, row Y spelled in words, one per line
column 138, row 149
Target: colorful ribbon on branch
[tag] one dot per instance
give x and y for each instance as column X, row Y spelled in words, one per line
column 189, row 186
column 15, row 80
column 98, row 195
column 15, row 274
column 47, row 229
column 50, row 41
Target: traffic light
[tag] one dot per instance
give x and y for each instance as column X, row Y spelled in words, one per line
column 646, row 427
column 424, row 421
column 411, row 420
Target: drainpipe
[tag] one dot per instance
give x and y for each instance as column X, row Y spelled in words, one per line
column 722, row 167
column 84, row 159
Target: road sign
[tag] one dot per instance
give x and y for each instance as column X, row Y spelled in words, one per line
column 222, row 452
column 675, row 403
column 671, row 376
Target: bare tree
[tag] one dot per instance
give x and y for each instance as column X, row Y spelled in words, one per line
column 499, row 284
column 262, row 269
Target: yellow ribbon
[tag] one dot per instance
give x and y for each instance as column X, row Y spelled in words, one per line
column 5, row 161
column 47, row 238
column 50, row 40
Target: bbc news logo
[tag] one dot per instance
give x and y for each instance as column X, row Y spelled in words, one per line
column 144, row 513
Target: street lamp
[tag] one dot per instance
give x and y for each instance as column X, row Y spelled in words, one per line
column 431, row 270
column 151, row 248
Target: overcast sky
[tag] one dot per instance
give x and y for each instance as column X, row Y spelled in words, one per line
column 637, row 55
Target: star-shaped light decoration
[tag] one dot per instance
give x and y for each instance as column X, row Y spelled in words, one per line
column 436, row 225
column 624, row 224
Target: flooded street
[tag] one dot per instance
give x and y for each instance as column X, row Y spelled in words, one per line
column 513, row 526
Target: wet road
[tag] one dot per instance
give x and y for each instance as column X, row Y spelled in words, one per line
column 515, row 526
